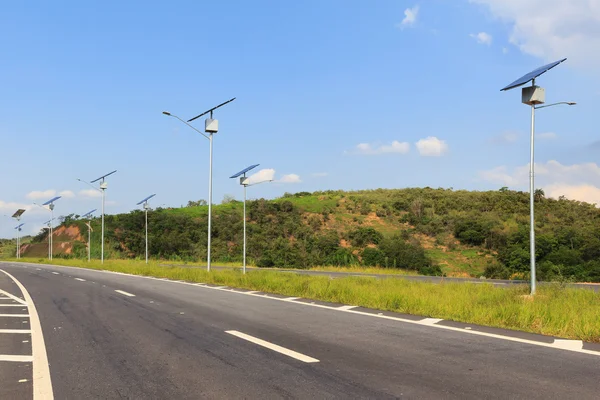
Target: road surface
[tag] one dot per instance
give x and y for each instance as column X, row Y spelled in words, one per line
column 113, row 336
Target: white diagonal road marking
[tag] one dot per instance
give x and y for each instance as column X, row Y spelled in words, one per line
column 274, row 347
column 15, row 298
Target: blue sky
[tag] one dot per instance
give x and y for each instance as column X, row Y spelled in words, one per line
column 330, row 94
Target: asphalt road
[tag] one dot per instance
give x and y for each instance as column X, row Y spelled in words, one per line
column 110, row 336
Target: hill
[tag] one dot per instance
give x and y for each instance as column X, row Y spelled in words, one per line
column 432, row 231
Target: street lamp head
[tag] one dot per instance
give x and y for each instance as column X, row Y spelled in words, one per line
column 167, row 113
column 571, row 103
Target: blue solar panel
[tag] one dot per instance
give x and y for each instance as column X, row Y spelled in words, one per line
column 242, row 172
column 51, row 200
column 103, row 176
column 146, row 199
column 19, row 227
column 532, row 75
column 88, row 213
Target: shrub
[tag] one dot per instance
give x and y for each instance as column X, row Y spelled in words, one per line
column 373, row 257
column 400, row 254
column 363, row 236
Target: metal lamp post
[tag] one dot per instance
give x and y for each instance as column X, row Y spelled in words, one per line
column 103, row 187
column 18, row 228
column 145, row 202
column 17, row 215
column 245, row 184
column 90, row 230
column 211, row 126
column 50, row 204
column 534, row 96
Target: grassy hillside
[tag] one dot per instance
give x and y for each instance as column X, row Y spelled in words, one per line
column 432, row 231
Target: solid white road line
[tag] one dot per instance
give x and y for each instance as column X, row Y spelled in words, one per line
column 13, row 305
column 568, row 344
column 430, row 321
column 125, row 293
column 15, row 298
column 15, row 331
column 42, row 383
column 15, row 315
column 80, row 280
column 274, row 347
column 8, row 357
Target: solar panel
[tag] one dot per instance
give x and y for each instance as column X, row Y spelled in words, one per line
column 47, row 222
column 532, row 75
column 242, row 172
column 18, row 213
column 19, row 227
column 103, row 176
column 212, row 109
column 51, row 200
column 88, row 213
column 146, row 199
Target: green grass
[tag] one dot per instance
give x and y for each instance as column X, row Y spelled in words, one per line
column 558, row 311
column 458, row 262
column 311, row 203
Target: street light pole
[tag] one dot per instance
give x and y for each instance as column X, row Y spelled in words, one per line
column 146, row 207
column 210, row 183
column 531, row 200
column 103, row 186
column 89, row 226
column 50, row 204
column 533, row 96
column 532, row 262
column 211, row 126
column 244, row 265
column 102, row 235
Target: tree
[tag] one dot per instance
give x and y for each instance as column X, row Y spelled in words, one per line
column 228, row 199
column 539, row 195
column 198, row 203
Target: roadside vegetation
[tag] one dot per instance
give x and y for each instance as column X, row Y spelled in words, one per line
column 556, row 310
column 424, row 231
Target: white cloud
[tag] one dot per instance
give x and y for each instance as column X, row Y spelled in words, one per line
column 67, row 194
column 320, row 174
column 410, row 17
column 583, row 192
column 431, row 147
column 90, row 193
column 261, row 176
column 505, row 50
column 290, row 178
column 552, row 29
column 9, row 208
column 395, row 147
column 576, row 182
column 37, row 194
column 502, row 176
column 507, row 137
column 546, row 135
column 482, row 38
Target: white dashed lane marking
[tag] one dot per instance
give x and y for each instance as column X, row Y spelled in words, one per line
column 125, row 293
